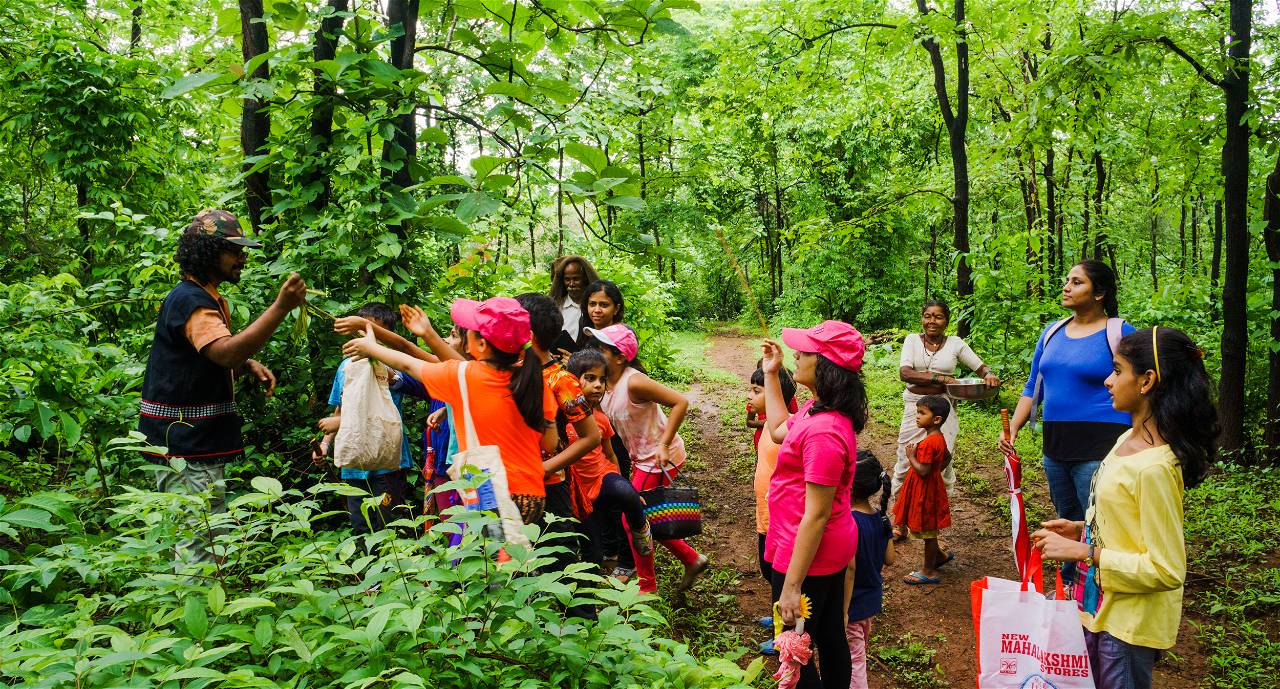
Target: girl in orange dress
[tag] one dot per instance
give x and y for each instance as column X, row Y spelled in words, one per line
column 922, row 504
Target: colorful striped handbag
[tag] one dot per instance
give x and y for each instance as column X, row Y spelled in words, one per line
column 674, row 512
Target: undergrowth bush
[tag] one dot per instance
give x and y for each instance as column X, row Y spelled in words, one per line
column 292, row 606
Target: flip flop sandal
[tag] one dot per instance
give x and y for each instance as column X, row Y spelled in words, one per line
column 945, row 561
column 918, row 579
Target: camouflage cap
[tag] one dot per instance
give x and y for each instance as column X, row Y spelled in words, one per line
column 219, row 223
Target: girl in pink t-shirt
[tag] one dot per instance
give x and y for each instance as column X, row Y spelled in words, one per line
column 812, row 536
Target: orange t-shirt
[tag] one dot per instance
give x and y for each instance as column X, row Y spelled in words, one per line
column 588, row 473
column 498, row 420
column 567, row 392
column 766, row 460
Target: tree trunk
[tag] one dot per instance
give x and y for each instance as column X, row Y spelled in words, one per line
column 255, row 122
column 135, row 26
column 1155, row 222
column 1182, row 236
column 1235, row 198
column 1051, row 214
column 1101, row 242
column 1271, row 237
column 400, row 152
column 82, row 225
column 326, row 47
column 560, row 206
column 957, row 122
column 1215, row 269
column 1195, row 234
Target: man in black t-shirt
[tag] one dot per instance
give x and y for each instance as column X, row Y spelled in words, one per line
column 188, row 398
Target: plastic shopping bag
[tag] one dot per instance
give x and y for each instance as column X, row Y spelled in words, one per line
column 371, row 432
column 1026, row 641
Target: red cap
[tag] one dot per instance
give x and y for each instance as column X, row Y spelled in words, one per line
column 500, row 320
column 836, row 340
column 619, row 336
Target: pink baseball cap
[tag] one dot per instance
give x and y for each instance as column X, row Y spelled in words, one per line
column 619, row 336
column 836, row 340
column 500, row 320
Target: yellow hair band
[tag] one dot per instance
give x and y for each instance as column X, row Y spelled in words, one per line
column 1155, row 350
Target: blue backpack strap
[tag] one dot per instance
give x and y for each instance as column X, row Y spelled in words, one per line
column 1052, row 330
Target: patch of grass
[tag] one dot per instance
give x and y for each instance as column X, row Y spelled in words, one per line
column 701, row 616
column 690, row 360
column 911, row 660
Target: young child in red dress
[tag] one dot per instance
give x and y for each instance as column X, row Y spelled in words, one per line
column 922, row 504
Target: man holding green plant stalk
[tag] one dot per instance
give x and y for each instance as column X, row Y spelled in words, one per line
column 188, row 396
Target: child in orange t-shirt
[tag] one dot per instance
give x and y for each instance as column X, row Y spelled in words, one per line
column 600, row 493
column 922, row 504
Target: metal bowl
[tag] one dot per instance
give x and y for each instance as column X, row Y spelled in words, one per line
column 971, row 389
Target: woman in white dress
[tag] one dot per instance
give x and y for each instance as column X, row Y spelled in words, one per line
column 929, row 361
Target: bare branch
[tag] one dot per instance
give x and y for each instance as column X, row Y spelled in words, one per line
column 1195, row 64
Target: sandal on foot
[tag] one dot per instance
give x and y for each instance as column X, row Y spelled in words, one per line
column 623, row 574
column 691, row 572
column 918, row 579
column 950, row 556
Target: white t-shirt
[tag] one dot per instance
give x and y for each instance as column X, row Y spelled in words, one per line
column 572, row 313
column 943, row 361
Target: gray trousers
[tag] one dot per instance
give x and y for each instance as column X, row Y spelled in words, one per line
column 195, row 479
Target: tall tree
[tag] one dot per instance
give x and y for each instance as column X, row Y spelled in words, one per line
column 325, row 48
column 957, row 121
column 255, row 120
column 1235, row 202
column 1271, row 237
column 400, row 151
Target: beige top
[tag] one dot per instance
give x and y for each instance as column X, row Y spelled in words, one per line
column 944, row 361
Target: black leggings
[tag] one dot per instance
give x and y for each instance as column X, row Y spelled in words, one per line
column 612, row 539
column 766, row 569
column 617, row 496
column 826, row 627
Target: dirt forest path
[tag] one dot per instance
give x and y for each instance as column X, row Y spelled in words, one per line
column 916, row 620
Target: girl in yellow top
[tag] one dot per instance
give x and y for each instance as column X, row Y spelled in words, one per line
column 1131, row 543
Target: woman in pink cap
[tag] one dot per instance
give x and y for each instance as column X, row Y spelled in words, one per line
column 511, row 405
column 812, row 536
column 634, row 406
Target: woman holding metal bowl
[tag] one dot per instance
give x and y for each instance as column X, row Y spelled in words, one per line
column 930, row 360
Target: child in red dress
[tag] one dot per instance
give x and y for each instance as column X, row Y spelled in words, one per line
column 922, row 504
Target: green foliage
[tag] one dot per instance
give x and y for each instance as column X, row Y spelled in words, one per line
column 293, row 604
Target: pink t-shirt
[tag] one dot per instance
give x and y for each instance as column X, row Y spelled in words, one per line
column 819, row 449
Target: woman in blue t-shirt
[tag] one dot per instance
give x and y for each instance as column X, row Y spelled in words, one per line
column 1072, row 359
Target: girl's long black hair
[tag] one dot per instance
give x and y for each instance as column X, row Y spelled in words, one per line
column 526, row 385
column 840, row 390
column 1104, row 282
column 1182, row 399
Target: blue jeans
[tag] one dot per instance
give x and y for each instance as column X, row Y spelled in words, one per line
column 1069, row 484
column 1117, row 664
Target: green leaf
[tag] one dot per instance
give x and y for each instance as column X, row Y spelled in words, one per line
column 594, row 158
column 633, row 203
column 475, row 205
column 268, row 485
column 189, row 83
column 22, row 433
column 247, row 603
column 217, row 599
column 483, row 165
column 46, row 420
column 195, row 617
column 28, row 518
column 70, row 428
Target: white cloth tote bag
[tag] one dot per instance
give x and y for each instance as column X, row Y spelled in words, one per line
column 371, row 431
column 493, row 494
column 1026, row 641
